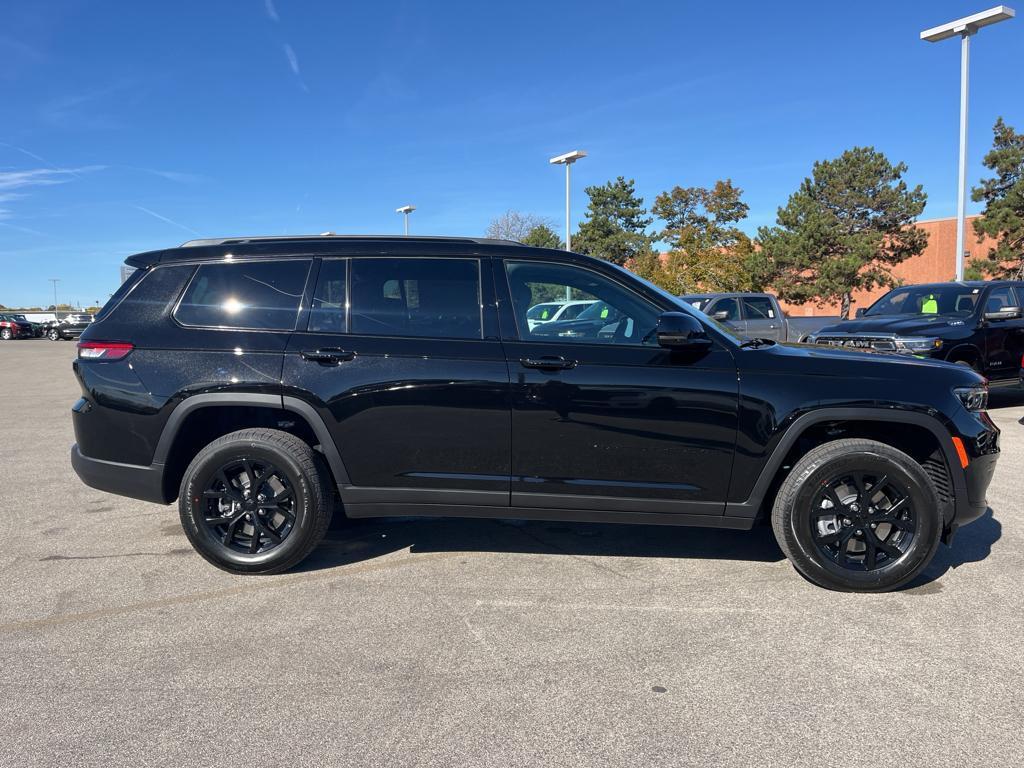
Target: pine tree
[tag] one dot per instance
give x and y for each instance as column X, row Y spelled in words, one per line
column 615, row 223
column 1003, row 194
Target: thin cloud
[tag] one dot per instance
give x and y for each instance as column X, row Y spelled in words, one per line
column 42, row 177
column 293, row 62
column 181, row 177
column 271, row 10
column 156, row 215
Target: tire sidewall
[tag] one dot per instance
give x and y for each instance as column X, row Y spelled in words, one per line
column 815, row 565
column 197, row 480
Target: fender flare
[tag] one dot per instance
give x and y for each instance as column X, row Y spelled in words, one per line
column 959, row 350
column 752, row 505
column 275, row 402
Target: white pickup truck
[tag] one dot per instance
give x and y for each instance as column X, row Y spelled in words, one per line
column 757, row 315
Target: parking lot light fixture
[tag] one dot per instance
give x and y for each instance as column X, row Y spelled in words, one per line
column 406, row 209
column 567, row 160
column 965, row 27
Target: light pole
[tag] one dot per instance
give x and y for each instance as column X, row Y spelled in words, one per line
column 54, row 280
column 567, row 160
column 406, row 209
column 965, row 27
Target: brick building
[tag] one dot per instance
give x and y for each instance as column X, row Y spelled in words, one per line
column 936, row 264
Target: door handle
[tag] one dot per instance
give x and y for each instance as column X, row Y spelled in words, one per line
column 548, row 363
column 327, row 355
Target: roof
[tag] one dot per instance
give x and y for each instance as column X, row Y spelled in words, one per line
column 250, row 246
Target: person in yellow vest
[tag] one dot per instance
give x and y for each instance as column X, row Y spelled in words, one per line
column 930, row 306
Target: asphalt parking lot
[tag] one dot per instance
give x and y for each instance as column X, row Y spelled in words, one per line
column 480, row 643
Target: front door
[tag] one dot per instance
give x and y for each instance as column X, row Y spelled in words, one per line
column 1004, row 339
column 761, row 319
column 403, row 356
column 602, row 417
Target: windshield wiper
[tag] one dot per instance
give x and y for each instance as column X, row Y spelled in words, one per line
column 757, row 343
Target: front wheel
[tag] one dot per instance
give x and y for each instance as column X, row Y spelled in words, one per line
column 255, row 501
column 858, row 516
column 6, row 334
column 53, row 334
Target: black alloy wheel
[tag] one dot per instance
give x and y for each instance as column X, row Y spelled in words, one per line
column 250, row 506
column 256, row 501
column 858, row 515
column 863, row 521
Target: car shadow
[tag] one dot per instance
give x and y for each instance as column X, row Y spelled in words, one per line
column 353, row 541
column 971, row 544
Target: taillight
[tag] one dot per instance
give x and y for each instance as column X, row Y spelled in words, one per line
column 104, row 350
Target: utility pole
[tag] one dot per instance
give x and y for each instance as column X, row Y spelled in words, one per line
column 55, row 280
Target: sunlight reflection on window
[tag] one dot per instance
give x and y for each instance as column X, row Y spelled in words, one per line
column 233, row 306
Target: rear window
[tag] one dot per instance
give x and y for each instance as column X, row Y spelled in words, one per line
column 257, row 295
column 437, row 298
column 121, row 292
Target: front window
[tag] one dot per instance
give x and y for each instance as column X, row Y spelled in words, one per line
column 612, row 314
column 926, row 300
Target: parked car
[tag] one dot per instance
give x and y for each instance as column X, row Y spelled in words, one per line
column 978, row 324
column 756, row 315
column 37, row 328
column 553, row 311
column 13, row 328
column 70, row 327
column 256, row 381
column 597, row 319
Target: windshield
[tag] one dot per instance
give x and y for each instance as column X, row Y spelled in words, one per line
column 950, row 299
column 542, row 311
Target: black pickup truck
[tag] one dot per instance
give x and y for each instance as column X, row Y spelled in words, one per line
column 976, row 323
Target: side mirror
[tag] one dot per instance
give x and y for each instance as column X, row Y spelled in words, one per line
column 678, row 330
column 1006, row 313
column 860, row 311
column 721, row 316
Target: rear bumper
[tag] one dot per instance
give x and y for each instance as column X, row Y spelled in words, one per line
column 132, row 480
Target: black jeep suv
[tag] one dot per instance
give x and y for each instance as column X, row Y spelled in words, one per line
column 977, row 324
column 264, row 382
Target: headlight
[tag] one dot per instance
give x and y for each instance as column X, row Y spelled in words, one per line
column 973, row 398
column 916, row 344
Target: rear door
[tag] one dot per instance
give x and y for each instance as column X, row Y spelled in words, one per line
column 761, row 318
column 401, row 357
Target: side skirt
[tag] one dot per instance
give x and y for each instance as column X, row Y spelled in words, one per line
column 539, row 513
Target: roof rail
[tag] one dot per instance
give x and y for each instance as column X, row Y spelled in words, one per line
column 278, row 238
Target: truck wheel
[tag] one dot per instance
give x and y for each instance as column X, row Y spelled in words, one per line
column 255, row 501
column 858, row 516
column 53, row 335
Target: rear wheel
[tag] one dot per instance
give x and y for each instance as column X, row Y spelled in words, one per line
column 53, row 334
column 255, row 501
column 6, row 334
column 857, row 515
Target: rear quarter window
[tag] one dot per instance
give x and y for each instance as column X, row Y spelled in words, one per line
column 255, row 295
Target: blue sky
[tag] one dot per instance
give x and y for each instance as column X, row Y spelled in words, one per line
column 131, row 126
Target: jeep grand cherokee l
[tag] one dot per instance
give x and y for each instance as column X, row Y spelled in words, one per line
column 264, row 382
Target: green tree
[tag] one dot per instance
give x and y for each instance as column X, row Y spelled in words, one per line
column 1003, row 219
column 615, row 224
column 844, row 228
column 542, row 236
column 708, row 250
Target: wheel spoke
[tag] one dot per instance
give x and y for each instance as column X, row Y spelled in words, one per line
column 268, row 531
column 837, row 505
column 254, row 542
column 858, row 481
column 890, row 549
column 229, row 489
column 870, row 552
column 878, row 485
column 229, row 533
column 895, row 522
column 250, row 472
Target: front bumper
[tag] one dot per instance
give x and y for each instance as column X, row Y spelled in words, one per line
column 132, row 480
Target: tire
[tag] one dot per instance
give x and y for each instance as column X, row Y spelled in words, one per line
column 5, row 334
column 844, row 550
column 208, row 506
column 53, row 335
